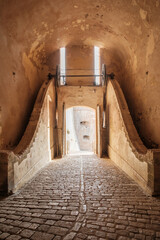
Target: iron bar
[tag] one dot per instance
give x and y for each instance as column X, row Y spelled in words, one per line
column 91, row 75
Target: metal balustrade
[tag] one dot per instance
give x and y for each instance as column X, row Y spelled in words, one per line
column 61, row 79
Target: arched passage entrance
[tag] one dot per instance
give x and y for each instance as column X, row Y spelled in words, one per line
column 79, row 96
column 80, row 130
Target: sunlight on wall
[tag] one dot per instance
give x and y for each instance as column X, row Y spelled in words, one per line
column 97, row 64
column 62, row 64
column 80, row 129
column 72, row 144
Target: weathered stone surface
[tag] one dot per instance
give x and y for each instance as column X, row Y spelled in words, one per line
column 33, row 152
column 127, row 32
column 42, row 236
column 125, row 147
column 107, row 194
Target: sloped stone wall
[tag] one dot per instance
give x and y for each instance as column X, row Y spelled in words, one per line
column 124, row 145
column 35, row 148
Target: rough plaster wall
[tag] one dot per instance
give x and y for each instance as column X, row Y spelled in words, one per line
column 142, row 88
column 11, row 93
column 129, row 31
column 80, row 96
column 79, row 61
column 21, row 71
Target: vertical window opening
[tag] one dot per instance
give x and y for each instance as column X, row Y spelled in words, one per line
column 62, row 65
column 97, row 64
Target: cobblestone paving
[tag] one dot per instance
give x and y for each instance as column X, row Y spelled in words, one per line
column 80, row 197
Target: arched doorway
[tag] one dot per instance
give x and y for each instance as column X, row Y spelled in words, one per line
column 80, row 130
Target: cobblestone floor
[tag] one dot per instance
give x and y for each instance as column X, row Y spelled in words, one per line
column 80, row 197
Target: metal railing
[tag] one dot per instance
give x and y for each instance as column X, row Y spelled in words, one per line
column 61, row 79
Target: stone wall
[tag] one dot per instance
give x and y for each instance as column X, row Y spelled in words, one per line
column 21, row 76
column 36, row 147
column 124, row 145
column 72, row 96
column 32, row 31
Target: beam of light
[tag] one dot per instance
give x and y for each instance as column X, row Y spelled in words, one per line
column 97, row 64
column 62, row 64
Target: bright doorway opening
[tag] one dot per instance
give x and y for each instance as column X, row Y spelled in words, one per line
column 80, row 130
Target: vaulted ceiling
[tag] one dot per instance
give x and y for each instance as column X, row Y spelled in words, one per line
column 127, row 30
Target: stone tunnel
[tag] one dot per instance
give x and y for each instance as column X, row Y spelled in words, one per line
column 79, row 80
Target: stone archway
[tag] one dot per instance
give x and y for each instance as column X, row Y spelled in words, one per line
column 80, row 129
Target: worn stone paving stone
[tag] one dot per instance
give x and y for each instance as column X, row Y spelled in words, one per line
column 80, row 197
column 42, row 236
